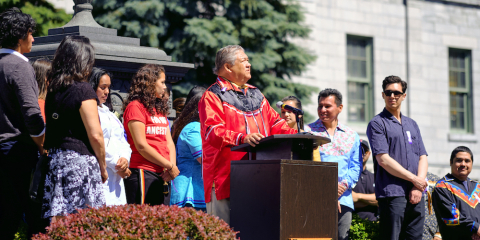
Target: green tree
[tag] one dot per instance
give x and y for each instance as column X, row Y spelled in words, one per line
column 194, row 30
column 42, row 11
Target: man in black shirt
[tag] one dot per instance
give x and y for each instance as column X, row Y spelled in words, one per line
column 366, row 205
column 21, row 123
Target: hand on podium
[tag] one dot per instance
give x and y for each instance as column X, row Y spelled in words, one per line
column 253, row 138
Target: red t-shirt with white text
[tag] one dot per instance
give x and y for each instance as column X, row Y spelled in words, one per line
column 156, row 130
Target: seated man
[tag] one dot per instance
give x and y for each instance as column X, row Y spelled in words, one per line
column 366, row 205
column 455, row 199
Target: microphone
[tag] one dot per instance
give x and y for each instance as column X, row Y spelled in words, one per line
column 281, row 105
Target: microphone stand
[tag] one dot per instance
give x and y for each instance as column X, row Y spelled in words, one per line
column 297, row 118
column 298, row 123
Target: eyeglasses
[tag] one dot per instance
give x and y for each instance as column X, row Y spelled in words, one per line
column 388, row 93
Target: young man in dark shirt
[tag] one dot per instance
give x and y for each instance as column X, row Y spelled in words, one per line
column 363, row 194
column 400, row 161
column 455, row 199
column 22, row 127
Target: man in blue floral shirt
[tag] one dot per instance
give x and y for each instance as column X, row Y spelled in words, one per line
column 343, row 149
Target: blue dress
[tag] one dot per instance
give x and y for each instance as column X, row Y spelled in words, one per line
column 187, row 187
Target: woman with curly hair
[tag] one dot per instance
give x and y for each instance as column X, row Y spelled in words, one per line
column 153, row 152
column 74, row 138
column 187, row 190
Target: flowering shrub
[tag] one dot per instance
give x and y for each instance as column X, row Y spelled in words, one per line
column 139, row 222
column 363, row 229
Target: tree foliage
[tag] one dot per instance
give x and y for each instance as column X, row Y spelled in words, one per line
column 193, row 31
column 42, row 11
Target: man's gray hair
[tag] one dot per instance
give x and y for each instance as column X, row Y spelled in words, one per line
column 228, row 55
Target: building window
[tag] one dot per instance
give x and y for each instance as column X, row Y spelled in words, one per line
column 460, row 87
column 359, row 79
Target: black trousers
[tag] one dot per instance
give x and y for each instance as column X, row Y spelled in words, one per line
column 399, row 219
column 144, row 187
column 17, row 161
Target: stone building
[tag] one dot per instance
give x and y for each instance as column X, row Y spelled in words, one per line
column 432, row 44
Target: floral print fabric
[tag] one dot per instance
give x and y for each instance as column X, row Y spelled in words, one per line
column 73, row 182
column 343, row 149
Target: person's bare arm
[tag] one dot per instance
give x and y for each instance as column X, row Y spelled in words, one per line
column 89, row 114
column 173, row 158
column 199, row 159
column 137, row 130
column 416, row 193
column 422, row 167
column 39, row 142
column 394, row 168
column 356, row 201
column 368, row 199
column 171, row 148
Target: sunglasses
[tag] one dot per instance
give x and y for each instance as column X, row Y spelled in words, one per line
column 388, row 93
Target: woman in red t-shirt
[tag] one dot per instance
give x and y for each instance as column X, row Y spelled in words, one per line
column 148, row 133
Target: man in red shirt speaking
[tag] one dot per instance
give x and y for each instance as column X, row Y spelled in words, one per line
column 232, row 112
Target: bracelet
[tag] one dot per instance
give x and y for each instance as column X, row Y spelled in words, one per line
column 170, row 168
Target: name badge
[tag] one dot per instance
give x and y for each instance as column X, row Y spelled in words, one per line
column 409, row 137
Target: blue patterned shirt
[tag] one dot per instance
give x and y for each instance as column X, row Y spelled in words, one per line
column 343, row 149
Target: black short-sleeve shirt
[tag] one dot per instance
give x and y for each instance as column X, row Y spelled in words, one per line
column 366, row 184
column 403, row 142
column 65, row 128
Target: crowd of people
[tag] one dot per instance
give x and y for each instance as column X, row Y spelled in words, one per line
column 62, row 109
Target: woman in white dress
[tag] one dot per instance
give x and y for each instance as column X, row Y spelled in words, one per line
column 117, row 148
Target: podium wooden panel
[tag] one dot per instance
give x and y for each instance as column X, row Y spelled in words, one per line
column 283, row 199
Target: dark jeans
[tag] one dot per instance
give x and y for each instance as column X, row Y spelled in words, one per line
column 399, row 219
column 17, row 160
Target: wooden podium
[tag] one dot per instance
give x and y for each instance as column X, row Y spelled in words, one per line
column 275, row 196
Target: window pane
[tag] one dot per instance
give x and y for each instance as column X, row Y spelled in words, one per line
column 359, row 79
column 457, row 100
column 356, row 48
column 457, row 79
column 457, row 120
column 453, row 79
column 356, row 68
column 461, row 79
column 457, row 59
column 357, row 93
column 457, row 110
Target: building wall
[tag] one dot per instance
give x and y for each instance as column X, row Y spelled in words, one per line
column 432, row 28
